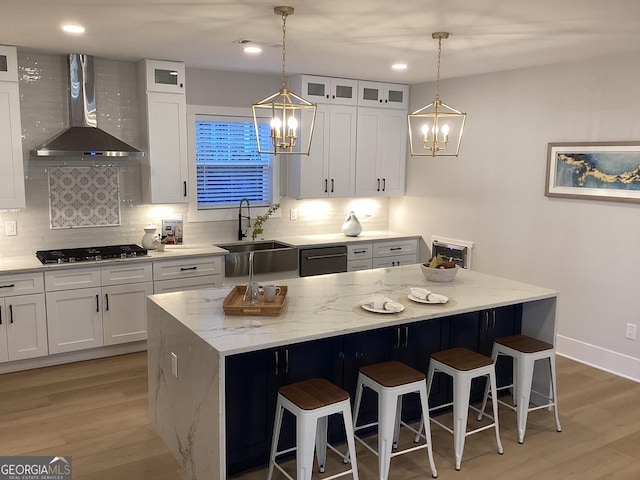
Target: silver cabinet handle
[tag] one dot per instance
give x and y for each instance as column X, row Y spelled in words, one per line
column 286, row 360
column 333, row 255
column 277, row 363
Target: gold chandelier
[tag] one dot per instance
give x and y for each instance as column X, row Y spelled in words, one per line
column 289, row 114
column 435, row 130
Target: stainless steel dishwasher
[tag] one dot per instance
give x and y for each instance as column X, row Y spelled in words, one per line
column 322, row 260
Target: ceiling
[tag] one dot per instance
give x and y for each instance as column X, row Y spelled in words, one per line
column 343, row 38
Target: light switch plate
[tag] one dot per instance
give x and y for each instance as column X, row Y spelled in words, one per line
column 11, row 228
column 293, row 214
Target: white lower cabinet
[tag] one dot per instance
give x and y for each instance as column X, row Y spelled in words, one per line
column 359, row 256
column 74, row 319
column 124, row 317
column 381, row 254
column 187, row 274
column 394, row 253
column 23, row 322
column 112, row 310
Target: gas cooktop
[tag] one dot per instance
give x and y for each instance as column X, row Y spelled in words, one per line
column 72, row 255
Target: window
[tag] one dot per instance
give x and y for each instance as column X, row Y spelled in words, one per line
column 225, row 163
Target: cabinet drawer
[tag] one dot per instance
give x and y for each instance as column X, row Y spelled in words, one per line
column 394, row 261
column 72, row 278
column 21, row 284
column 359, row 251
column 183, row 284
column 357, row 265
column 127, row 274
column 402, row 247
column 195, row 267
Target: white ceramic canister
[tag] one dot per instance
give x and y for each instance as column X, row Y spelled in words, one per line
column 149, row 240
column 351, row 226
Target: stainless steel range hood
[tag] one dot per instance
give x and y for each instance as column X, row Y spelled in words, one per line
column 83, row 137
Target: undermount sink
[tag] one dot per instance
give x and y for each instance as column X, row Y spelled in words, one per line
column 269, row 257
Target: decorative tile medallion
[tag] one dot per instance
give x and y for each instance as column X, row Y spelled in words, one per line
column 84, row 197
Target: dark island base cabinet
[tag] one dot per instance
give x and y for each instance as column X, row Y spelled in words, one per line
column 253, row 379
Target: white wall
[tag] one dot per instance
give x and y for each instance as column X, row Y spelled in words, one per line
column 493, row 195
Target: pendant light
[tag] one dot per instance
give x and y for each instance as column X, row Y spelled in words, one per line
column 291, row 117
column 435, row 130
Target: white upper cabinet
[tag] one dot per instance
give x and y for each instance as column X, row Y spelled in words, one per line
column 165, row 167
column 329, row 170
column 11, row 161
column 384, row 95
column 381, row 152
column 337, row 91
column 164, row 76
column 8, row 64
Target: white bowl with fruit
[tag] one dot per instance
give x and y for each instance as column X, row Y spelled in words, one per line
column 437, row 269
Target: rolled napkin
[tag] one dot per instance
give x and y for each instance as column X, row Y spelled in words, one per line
column 420, row 293
column 380, row 302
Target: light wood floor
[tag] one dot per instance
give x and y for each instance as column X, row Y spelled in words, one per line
column 96, row 411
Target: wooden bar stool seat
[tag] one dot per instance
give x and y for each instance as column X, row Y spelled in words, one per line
column 392, row 380
column 312, row 402
column 525, row 351
column 463, row 365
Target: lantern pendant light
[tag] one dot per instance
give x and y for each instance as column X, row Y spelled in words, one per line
column 291, row 117
column 435, row 130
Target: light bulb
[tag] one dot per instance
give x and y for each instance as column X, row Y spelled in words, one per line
column 425, row 129
column 445, row 130
column 276, row 123
column 292, row 122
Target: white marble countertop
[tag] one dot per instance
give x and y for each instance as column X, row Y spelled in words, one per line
column 26, row 264
column 29, row 263
column 301, row 241
column 325, row 306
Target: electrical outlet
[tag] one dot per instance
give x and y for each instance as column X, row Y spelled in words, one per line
column 293, row 214
column 11, row 228
column 631, row 331
column 174, row 364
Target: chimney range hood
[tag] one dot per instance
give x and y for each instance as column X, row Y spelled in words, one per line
column 83, row 137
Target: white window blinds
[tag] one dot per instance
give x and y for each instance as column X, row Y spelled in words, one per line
column 228, row 166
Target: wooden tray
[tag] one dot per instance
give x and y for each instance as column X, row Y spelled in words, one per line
column 233, row 304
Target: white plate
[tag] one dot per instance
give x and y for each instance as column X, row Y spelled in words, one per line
column 432, row 299
column 369, row 308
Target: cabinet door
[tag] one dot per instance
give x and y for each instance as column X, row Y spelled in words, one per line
column 125, row 312
column 248, row 431
column 393, row 147
column 369, row 150
column 308, row 176
column 11, row 162
column 386, row 95
column 381, row 152
column 338, row 91
column 252, row 383
column 342, row 151
column 166, row 158
column 26, row 326
column 74, row 319
column 164, row 76
column 395, row 261
column 413, row 345
column 4, row 351
column 184, row 284
column 8, row 64
column 357, row 265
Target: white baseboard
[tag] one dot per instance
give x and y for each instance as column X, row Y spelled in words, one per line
column 598, row 357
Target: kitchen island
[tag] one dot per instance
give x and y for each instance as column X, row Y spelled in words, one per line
column 191, row 342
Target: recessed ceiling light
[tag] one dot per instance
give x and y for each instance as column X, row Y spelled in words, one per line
column 252, row 49
column 72, row 28
column 399, row 66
